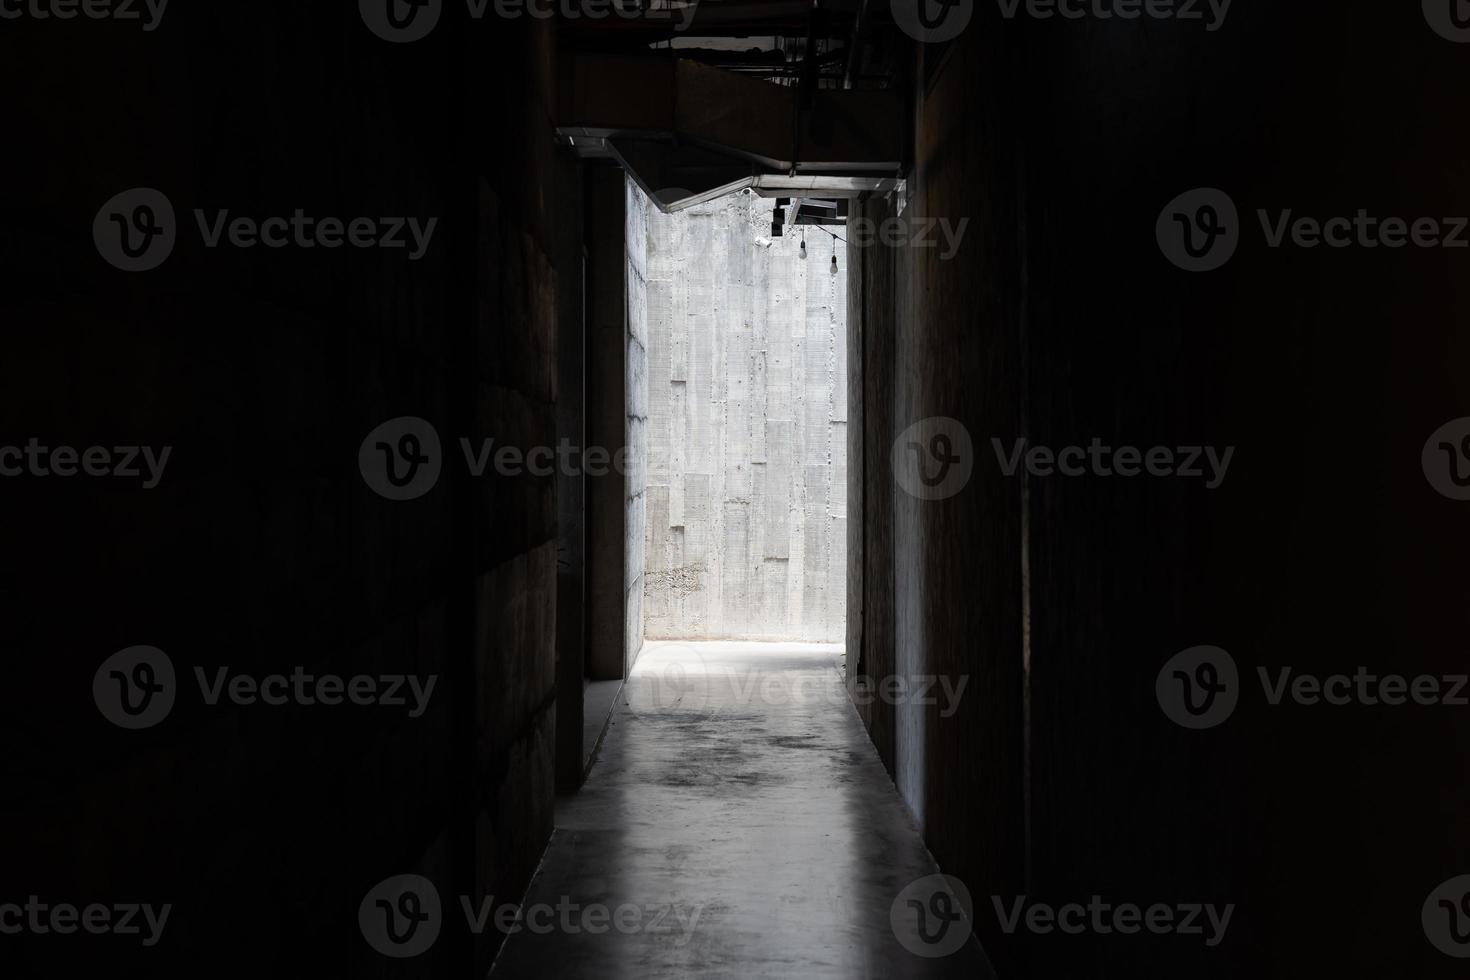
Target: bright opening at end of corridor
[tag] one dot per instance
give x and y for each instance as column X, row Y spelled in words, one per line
column 746, row 503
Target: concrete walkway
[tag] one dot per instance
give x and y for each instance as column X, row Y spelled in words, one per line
column 738, row 824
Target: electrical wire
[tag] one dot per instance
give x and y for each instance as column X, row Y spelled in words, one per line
column 826, row 232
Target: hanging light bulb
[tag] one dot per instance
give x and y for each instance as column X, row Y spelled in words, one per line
column 834, row 263
column 803, row 246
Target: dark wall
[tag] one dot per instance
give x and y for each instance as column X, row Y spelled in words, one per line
column 958, row 560
column 1324, row 550
column 872, row 311
column 940, row 589
column 263, row 549
column 571, row 486
column 607, row 419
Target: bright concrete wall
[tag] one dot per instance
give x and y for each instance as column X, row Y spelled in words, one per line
column 636, row 385
column 747, row 427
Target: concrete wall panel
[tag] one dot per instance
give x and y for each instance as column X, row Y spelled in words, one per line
column 747, row 402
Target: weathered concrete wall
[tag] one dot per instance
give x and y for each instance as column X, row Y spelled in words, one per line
column 747, row 447
column 635, row 483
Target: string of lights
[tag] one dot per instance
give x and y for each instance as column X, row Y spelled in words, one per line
column 824, row 230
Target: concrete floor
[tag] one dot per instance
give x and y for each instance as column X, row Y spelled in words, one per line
column 739, row 806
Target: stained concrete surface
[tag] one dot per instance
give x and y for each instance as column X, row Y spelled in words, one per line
column 598, row 698
column 737, row 788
